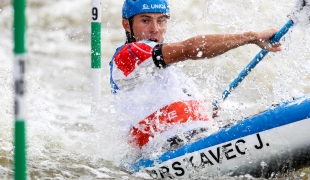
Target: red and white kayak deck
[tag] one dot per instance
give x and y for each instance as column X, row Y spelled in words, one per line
column 266, row 143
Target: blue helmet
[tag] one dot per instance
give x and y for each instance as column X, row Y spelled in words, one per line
column 134, row 7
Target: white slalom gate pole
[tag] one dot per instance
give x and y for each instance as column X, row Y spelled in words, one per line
column 96, row 53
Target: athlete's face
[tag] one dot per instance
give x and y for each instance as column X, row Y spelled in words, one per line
column 149, row 26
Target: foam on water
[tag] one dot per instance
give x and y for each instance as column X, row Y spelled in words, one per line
column 66, row 141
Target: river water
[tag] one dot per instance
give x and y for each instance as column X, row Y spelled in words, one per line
column 65, row 140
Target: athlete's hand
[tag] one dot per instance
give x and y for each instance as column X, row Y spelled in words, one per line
column 263, row 40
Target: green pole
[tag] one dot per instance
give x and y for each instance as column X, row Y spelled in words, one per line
column 96, row 51
column 19, row 28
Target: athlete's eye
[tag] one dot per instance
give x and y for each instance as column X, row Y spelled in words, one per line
column 145, row 20
column 160, row 21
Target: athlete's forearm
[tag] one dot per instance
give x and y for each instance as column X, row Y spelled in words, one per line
column 205, row 46
column 213, row 45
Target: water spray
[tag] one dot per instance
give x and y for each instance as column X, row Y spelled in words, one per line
column 302, row 6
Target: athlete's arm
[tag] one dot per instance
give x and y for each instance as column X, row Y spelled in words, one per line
column 208, row 46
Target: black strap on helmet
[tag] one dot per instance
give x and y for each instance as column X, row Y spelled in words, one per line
column 130, row 36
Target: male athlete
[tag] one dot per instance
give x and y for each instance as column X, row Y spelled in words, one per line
column 155, row 97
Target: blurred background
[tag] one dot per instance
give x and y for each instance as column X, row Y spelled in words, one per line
column 66, row 141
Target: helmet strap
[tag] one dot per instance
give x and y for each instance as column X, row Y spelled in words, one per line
column 130, row 36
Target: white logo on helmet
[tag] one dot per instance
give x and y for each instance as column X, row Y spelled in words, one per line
column 158, row 6
column 145, row 6
column 154, row 6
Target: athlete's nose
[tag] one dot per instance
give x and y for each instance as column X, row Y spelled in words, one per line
column 154, row 27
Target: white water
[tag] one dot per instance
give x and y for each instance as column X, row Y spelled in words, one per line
column 66, row 141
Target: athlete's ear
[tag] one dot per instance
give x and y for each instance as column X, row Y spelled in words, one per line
column 126, row 25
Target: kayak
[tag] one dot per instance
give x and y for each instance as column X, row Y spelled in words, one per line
column 263, row 145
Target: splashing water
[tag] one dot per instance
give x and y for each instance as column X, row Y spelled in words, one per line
column 65, row 141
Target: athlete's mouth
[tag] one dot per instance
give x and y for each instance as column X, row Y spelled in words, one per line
column 155, row 40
